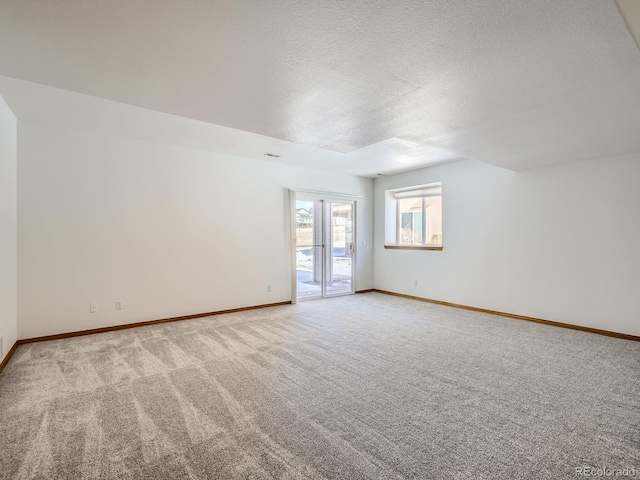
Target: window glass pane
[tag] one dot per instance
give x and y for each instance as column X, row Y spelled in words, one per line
column 434, row 220
column 407, row 220
column 413, row 215
column 417, row 226
column 410, row 230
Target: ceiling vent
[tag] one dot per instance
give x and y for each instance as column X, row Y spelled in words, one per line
column 267, row 154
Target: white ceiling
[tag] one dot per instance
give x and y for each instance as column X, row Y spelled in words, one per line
column 361, row 86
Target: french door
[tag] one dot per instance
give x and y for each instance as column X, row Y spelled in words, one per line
column 324, row 246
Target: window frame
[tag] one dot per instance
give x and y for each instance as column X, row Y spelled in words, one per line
column 392, row 195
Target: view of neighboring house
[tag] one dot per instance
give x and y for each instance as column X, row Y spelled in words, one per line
column 304, row 218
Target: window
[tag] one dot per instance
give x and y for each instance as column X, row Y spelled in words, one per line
column 414, row 217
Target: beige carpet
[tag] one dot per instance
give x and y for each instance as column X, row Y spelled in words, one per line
column 365, row 386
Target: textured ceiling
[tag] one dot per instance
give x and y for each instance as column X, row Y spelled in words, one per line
column 516, row 83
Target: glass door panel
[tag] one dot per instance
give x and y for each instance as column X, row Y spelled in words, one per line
column 309, row 248
column 339, row 241
column 324, row 249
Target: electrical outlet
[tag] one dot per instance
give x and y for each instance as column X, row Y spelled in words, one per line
column 415, row 283
column 268, row 288
column 119, row 305
column 93, row 307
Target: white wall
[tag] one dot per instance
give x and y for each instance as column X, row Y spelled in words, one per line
column 169, row 230
column 174, row 231
column 8, row 225
column 559, row 243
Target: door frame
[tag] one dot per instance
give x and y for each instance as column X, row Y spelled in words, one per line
column 324, row 197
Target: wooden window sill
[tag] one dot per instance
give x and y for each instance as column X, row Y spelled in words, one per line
column 414, row 247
